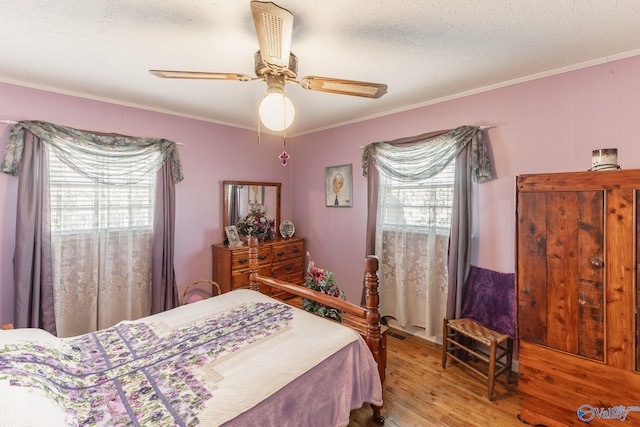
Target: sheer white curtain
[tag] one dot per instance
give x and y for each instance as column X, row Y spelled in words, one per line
column 412, row 240
column 100, row 247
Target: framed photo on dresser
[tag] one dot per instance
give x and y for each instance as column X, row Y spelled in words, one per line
column 232, row 236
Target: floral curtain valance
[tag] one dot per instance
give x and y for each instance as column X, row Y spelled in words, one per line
column 423, row 156
column 82, row 150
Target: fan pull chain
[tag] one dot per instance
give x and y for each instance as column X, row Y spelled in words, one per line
column 258, row 129
column 284, row 156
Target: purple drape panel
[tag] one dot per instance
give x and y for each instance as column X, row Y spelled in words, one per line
column 373, row 180
column 164, row 294
column 32, row 268
column 460, row 235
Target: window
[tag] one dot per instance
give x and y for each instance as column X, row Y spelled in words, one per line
column 80, row 205
column 419, row 206
column 89, row 238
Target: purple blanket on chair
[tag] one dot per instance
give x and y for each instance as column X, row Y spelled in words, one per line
column 490, row 300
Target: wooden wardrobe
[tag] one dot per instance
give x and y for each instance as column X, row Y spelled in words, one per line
column 577, row 237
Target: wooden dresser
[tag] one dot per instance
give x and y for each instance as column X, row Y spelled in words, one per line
column 282, row 259
column 578, row 239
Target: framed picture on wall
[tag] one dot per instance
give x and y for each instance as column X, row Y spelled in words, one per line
column 232, row 236
column 338, row 186
column 255, row 194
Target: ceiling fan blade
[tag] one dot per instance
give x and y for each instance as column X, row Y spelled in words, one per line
column 344, row 87
column 274, row 27
column 169, row 74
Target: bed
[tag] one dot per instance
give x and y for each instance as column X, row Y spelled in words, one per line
column 241, row 358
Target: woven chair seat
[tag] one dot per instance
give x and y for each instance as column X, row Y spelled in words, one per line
column 476, row 331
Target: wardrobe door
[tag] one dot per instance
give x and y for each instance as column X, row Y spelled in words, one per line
column 561, row 267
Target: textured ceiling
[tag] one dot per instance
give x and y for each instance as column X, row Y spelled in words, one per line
column 425, row 50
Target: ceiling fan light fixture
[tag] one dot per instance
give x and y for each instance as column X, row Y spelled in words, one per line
column 276, row 110
column 277, row 65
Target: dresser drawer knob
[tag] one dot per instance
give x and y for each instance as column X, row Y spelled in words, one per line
column 243, row 260
column 296, row 250
column 280, row 253
column 288, row 267
column 263, row 256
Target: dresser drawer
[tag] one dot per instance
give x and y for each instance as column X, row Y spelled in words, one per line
column 240, row 259
column 240, row 278
column 295, row 278
column 290, row 271
column 287, row 268
column 288, row 250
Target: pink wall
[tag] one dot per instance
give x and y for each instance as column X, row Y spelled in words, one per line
column 547, row 125
column 211, row 153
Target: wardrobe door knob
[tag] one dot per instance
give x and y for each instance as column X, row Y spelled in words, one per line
column 597, row 263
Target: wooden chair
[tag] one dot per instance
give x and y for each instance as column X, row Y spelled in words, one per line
column 487, row 318
column 198, row 292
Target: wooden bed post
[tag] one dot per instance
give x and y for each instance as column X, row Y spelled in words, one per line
column 253, row 263
column 372, row 302
column 374, row 336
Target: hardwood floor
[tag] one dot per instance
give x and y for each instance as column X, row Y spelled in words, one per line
column 418, row 392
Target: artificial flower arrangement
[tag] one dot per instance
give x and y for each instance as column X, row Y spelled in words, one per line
column 324, row 281
column 256, row 223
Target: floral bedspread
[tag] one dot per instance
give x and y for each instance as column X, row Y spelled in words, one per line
column 135, row 374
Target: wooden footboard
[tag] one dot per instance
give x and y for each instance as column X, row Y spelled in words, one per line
column 364, row 320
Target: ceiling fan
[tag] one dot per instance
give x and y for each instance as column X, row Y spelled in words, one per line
column 275, row 64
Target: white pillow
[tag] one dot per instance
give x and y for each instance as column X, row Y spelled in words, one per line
column 23, row 406
column 21, row 335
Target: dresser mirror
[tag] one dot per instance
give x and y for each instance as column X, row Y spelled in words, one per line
column 241, row 196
